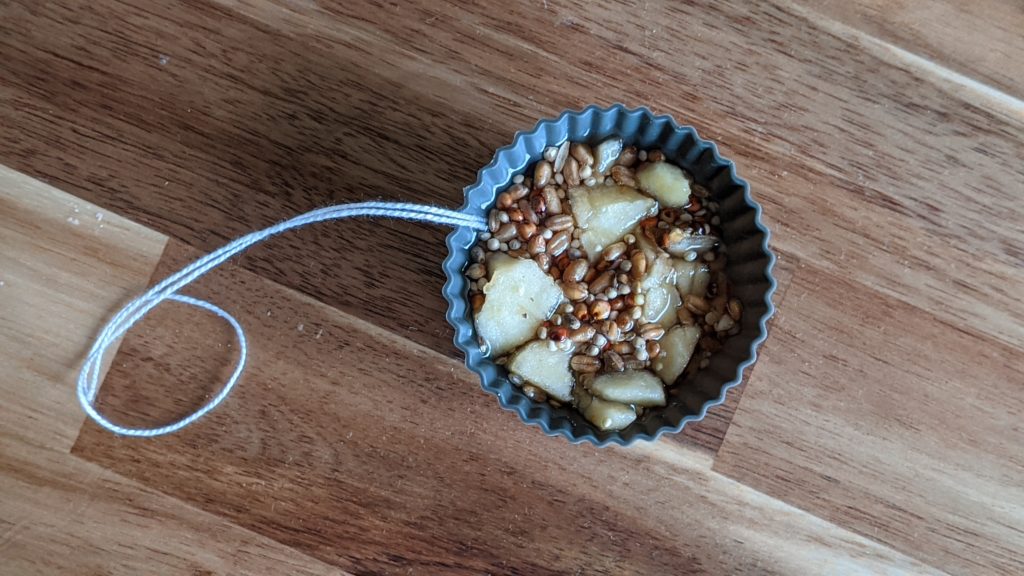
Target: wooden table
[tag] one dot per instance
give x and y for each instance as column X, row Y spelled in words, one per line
column 880, row 431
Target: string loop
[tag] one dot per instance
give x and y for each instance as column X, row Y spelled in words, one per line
column 167, row 289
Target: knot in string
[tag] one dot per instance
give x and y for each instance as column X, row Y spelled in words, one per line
column 167, row 289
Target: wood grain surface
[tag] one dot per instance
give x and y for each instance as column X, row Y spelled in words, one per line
column 879, row 432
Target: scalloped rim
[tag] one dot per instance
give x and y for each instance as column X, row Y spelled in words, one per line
column 464, row 331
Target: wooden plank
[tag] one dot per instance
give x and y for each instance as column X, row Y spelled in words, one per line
column 65, row 265
column 981, row 40
column 367, row 452
column 61, row 515
column 851, row 417
column 295, row 106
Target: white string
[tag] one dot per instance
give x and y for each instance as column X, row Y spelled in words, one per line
column 89, row 377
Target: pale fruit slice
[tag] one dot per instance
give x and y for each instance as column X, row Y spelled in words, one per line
column 545, row 368
column 519, row 297
column 680, row 243
column 677, row 346
column 637, row 387
column 605, row 213
column 645, row 244
column 604, row 414
column 666, row 182
column 661, row 298
column 692, row 277
column 606, row 153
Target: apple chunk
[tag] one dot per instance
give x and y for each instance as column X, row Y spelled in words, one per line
column 677, row 346
column 637, row 387
column 544, row 368
column 605, row 213
column 666, row 182
column 692, row 277
column 604, row 414
column 661, row 298
column 519, row 297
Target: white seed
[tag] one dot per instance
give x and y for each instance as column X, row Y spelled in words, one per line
column 724, row 323
column 514, row 244
column 549, row 153
column 485, row 236
column 586, row 172
column 611, row 293
column 689, row 255
column 493, row 244
column 599, row 340
column 574, row 244
column 556, row 320
column 593, row 350
column 518, row 179
column 542, row 333
column 559, row 179
column 590, row 182
column 561, row 155
column 567, row 308
column 624, row 289
column 626, row 266
column 547, row 234
column 639, row 299
column 503, row 217
column 642, row 155
column 476, row 271
column 477, row 253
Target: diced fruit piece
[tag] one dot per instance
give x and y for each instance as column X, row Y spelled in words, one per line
column 692, row 277
column 544, row 368
column 519, row 297
column 604, row 414
column 646, row 245
column 666, row 182
column 660, row 295
column 605, row 213
column 637, row 387
column 678, row 243
column 677, row 347
column 606, row 153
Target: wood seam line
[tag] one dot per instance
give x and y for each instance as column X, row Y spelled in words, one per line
column 680, row 457
column 989, row 97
